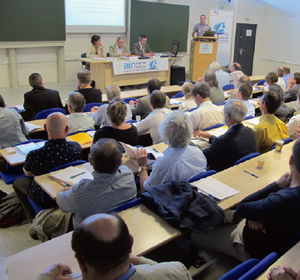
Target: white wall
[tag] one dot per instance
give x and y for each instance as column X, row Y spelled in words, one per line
column 44, row 60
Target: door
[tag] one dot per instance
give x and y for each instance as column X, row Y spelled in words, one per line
column 244, row 46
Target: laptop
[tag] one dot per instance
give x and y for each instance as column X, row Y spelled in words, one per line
column 209, row 33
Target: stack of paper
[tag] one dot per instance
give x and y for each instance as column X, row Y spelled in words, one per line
column 31, row 126
column 24, row 149
column 214, row 188
column 81, row 138
column 174, row 101
column 219, row 131
column 71, row 175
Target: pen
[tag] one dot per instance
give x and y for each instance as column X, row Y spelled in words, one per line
column 77, row 175
column 251, row 174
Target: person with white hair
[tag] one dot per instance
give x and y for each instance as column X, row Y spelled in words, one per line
column 237, row 142
column 100, row 114
column 189, row 102
column 180, row 161
column 222, row 76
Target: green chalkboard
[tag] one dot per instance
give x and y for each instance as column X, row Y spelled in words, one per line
column 32, row 20
column 161, row 23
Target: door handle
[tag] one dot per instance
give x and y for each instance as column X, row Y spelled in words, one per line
column 241, row 50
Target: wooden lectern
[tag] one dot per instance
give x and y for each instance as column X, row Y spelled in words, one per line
column 203, row 53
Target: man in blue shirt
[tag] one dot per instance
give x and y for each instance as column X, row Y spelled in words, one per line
column 286, row 75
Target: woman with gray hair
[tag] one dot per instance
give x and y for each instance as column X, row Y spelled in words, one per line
column 180, row 161
column 216, row 93
column 189, row 102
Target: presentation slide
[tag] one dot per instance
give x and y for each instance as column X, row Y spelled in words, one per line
column 95, row 16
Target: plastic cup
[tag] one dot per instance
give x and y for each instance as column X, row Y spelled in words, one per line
column 279, row 145
column 260, row 163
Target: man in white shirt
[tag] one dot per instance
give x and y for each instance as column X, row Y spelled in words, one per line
column 207, row 114
column 153, row 120
column 280, row 82
column 119, row 49
column 243, row 94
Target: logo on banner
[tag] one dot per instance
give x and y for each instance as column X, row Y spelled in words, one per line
column 153, row 65
column 220, row 28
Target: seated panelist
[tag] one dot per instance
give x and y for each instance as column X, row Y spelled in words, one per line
column 141, row 47
column 119, row 49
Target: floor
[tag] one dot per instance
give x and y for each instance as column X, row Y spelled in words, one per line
column 15, row 238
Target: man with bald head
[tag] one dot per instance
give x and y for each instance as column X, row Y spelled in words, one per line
column 55, row 152
column 102, row 246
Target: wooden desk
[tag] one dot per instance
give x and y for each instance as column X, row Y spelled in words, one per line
column 103, row 74
column 276, row 164
column 291, row 258
column 149, row 231
column 257, row 78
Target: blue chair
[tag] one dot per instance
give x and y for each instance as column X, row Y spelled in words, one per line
column 127, row 100
column 256, row 270
column 228, row 87
column 222, row 103
column 240, row 270
column 249, row 117
column 285, row 141
column 45, row 113
column 250, row 83
column 89, row 106
column 45, row 196
column 132, row 121
column 83, row 55
column 247, row 157
column 15, row 172
column 213, row 126
column 261, row 82
column 127, row 205
column 193, row 109
column 178, row 95
column 202, row 175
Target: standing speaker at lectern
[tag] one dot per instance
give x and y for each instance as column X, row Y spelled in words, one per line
column 201, row 27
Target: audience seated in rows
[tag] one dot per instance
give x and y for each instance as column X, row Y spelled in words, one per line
column 78, row 121
column 118, row 130
column 207, row 114
column 216, row 92
column 287, row 75
column 100, row 114
column 91, row 95
column 154, row 119
column 270, row 128
column 102, row 245
column 294, row 122
column 235, row 74
column 293, row 88
column 13, row 130
column 237, row 142
column 279, row 72
column 243, row 94
column 112, row 186
column 269, row 219
column 40, row 98
column 142, row 106
column 180, row 161
column 189, row 102
column 56, row 151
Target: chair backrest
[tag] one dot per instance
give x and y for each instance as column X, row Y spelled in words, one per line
column 228, row 87
column 131, row 121
column 178, row 95
column 202, row 175
column 249, row 117
column 45, row 113
column 285, row 141
column 213, row 126
column 240, row 270
column 89, row 106
column 127, row 205
column 256, row 270
column 247, row 157
column 193, row 109
column 83, row 55
column 222, row 103
column 261, row 82
column 73, row 163
column 127, row 100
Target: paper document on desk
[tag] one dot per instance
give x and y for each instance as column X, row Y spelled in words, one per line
column 219, row 131
column 253, row 121
column 26, row 148
column 201, row 143
column 152, row 153
column 71, row 175
column 174, row 101
column 81, row 138
column 213, row 187
column 31, row 126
